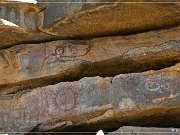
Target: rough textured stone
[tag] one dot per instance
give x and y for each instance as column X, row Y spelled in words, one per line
column 34, row 65
column 55, row 9
column 10, row 36
column 24, row 15
column 150, row 98
column 145, row 130
column 110, row 18
column 39, row 87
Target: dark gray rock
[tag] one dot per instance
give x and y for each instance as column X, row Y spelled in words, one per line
column 139, row 99
column 24, row 15
column 55, row 9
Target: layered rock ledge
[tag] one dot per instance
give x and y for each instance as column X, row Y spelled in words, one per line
column 81, row 66
column 10, row 36
column 107, row 19
column 145, row 99
column 87, row 19
column 33, row 65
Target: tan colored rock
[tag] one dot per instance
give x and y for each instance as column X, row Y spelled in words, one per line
column 128, row 130
column 149, row 99
column 10, row 36
column 114, row 19
column 34, row 65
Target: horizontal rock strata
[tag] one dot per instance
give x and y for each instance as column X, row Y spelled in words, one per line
column 81, row 66
column 110, row 18
column 33, row 65
column 127, row 130
column 73, row 18
column 10, row 36
column 150, row 98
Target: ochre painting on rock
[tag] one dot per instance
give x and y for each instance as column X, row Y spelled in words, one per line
column 94, row 67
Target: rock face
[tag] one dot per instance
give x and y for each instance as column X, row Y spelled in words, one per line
column 69, row 20
column 115, row 19
column 33, row 65
column 55, row 9
column 10, row 36
column 90, row 103
column 143, row 131
column 74, row 66
column 24, row 15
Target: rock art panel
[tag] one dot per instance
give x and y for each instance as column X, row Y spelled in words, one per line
column 54, row 77
column 93, row 100
column 22, row 66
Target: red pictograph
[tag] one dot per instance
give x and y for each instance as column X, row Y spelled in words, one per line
column 65, row 99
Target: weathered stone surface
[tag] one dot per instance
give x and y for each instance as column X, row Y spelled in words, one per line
column 55, row 9
column 34, row 93
column 109, row 18
column 145, row 99
column 22, row 14
column 128, row 130
column 34, row 65
column 10, row 36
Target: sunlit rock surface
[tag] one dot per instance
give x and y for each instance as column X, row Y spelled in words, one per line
column 10, row 36
column 109, row 18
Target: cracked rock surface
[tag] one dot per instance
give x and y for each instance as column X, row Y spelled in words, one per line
column 150, row 98
column 115, row 19
column 34, row 65
column 82, row 66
